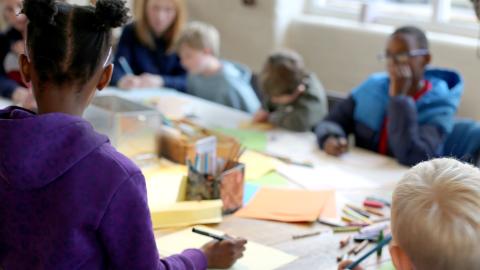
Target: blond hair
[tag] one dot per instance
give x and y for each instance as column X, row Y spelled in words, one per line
column 201, row 36
column 282, row 73
column 144, row 32
column 436, row 215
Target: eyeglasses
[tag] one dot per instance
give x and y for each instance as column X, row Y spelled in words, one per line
column 402, row 57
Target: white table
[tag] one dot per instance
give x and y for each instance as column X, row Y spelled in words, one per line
column 5, row 103
column 316, row 252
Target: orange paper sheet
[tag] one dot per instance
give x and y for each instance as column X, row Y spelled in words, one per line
column 290, row 205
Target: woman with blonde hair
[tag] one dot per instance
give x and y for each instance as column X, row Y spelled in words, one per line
column 145, row 56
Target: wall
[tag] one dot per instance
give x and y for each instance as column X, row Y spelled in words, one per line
column 248, row 33
column 342, row 53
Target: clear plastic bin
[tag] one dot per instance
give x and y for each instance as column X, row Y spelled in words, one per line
column 131, row 127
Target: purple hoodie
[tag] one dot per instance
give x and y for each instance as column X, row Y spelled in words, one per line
column 69, row 200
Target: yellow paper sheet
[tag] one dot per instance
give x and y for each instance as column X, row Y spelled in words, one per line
column 187, row 213
column 166, row 188
column 256, row 256
column 289, row 205
column 257, row 164
column 166, row 184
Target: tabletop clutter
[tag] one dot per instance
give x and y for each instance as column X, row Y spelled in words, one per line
column 196, row 175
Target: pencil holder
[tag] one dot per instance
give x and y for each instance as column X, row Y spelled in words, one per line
column 228, row 186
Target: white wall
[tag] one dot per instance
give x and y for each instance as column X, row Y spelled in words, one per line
column 342, row 53
column 248, row 33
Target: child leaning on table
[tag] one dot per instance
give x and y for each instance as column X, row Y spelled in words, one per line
column 436, row 218
column 294, row 98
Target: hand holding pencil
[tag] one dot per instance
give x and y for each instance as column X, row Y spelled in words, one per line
column 223, row 254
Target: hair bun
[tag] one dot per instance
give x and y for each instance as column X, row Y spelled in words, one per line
column 40, row 12
column 111, row 13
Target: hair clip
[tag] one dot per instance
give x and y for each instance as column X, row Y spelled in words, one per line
column 108, row 57
column 26, row 51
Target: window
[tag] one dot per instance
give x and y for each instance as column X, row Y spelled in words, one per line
column 450, row 16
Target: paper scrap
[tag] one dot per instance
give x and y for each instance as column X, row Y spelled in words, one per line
column 289, row 205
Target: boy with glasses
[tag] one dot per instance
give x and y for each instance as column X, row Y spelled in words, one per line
column 406, row 112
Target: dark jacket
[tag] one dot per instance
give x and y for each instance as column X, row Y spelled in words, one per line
column 7, row 84
column 416, row 130
column 144, row 60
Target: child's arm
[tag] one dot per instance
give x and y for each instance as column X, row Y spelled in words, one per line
column 127, row 236
column 7, row 86
column 338, row 123
column 123, row 51
column 410, row 142
column 295, row 120
column 177, row 78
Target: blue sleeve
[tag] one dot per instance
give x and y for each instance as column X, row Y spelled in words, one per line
column 178, row 82
column 177, row 76
column 123, row 50
column 338, row 123
column 410, row 142
column 7, row 86
column 129, row 242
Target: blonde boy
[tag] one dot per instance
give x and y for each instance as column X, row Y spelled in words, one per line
column 436, row 217
column 211, row 78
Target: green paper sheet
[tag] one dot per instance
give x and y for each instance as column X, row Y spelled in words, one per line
column 387, row 266
column 253, row 140
column 271, row 179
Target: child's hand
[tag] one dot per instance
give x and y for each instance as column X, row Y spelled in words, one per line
column 24, row 98
column 261, row 116
column 223, row 254
column 129, row 82
column 335, row 146
column 18, row 47
column 400, row 79
column 343, row 265
column 149, row 80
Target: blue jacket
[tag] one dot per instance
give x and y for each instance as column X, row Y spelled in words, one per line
column 7, row 85
column 416, row 130
column 464, row 141
column 144, row 60
column 230, row 87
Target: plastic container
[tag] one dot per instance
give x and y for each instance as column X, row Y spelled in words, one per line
column 131, row 127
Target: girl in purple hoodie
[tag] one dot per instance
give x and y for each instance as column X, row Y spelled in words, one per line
column 69, row 200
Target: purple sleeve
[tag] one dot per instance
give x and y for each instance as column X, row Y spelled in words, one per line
column 410, row 142
column 127, row 235
column 338, row 123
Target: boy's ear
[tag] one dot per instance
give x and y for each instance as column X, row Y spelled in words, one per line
column 400, row 258
column 428, row 59
column 25, row 65
column 105, row 77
